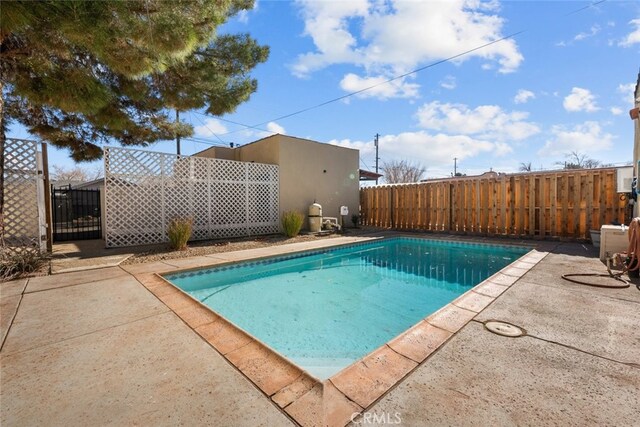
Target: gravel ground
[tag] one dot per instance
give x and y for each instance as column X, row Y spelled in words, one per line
column 163, row 252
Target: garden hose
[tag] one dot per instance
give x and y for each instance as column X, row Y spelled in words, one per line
column 631, row 263
column 617, row 277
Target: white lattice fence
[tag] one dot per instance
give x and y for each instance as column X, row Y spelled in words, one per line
column 145, row 190
column 22, row 217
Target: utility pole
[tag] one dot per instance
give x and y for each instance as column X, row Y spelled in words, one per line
column 178, row 133
column 377, row 158
column 455, row 166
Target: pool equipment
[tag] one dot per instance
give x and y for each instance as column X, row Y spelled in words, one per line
column 315, row 217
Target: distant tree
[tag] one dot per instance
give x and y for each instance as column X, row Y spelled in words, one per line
column 400, row 171
column 577, row 160
column 81, row 73
column 75, row 173
column 525, row 167
column 460, row 174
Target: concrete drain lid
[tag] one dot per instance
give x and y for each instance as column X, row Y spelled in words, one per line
column 503, row 328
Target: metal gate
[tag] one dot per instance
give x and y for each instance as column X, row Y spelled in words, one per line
column 76, row 214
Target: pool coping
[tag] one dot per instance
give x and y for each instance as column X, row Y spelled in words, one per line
column 348, row 393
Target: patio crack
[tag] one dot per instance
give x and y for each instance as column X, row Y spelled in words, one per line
column 15, row 313
column 570, row 347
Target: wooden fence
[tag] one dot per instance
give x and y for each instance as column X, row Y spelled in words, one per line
column 564, row 204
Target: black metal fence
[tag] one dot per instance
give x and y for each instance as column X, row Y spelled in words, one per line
column 76, row 214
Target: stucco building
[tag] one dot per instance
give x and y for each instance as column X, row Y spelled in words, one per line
column 309, row 171
column 635, row 116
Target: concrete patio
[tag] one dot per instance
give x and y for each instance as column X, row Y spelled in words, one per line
column 96, row 347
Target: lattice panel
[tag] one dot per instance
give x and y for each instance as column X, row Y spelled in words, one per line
column 21, row 220
column 145, row 190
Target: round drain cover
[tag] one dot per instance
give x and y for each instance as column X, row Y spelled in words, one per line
column 503, row 328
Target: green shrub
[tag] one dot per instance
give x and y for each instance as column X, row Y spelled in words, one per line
column 21, row 262
column 179, row 232
column 292, row 223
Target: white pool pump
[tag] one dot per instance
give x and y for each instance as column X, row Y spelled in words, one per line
column 315, row 217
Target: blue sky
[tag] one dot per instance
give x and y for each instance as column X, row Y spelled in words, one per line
column 564, row 84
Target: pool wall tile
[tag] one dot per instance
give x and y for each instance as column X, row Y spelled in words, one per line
column 523, row 264
column 514, row 271
column 149, row 267
column 157, row 285
column 420, row 341
column 451, row 318
column 490, row 289
column 473, row 301
column 177, row 301
column 266, row 369
column 503, row 279
column 534, row 256
column 295, row 390
column 193, row 262
column 367, row 380
column 223, row 336
column 324, row 405
column 196, row 315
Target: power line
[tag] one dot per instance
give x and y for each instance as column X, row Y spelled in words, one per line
column 417, row 70
column 400, row 76
column 365, row 164
column 206, row 141
column 208, row 128
column 232, row 122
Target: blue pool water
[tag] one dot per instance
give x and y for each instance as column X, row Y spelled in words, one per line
column 325, row 309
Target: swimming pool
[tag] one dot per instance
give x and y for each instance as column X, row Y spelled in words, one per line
column 325, row 309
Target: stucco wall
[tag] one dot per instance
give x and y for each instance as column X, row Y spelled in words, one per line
column 636, row 144
column 263, row 151
column 218, row 153
column 309, row 171
column 325, row 173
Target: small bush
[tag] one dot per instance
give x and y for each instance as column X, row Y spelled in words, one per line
column 179, row 232
column 355, row 219
column 292, row 223
column 25, row 261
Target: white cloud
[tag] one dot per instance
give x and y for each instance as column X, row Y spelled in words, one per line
column 243, row 15
column 449, row 82
column 390, row 38
column 484, row 121
column 326, row 22
column 250, row 135
column 432, row 150
column 616, row 111
column 634, row 36
column 396, row 89
column 211, row 127
column 275, row 128
column 595, row 29
column 587, row 137
column 580, row 100
column 523, row 96
column 628, row 91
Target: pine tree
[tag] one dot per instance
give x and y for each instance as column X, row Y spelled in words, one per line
column 82, row 73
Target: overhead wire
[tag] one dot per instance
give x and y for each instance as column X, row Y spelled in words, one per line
column 417, row 70
column 209, row 129
column 232, row 122
column 400, row 76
